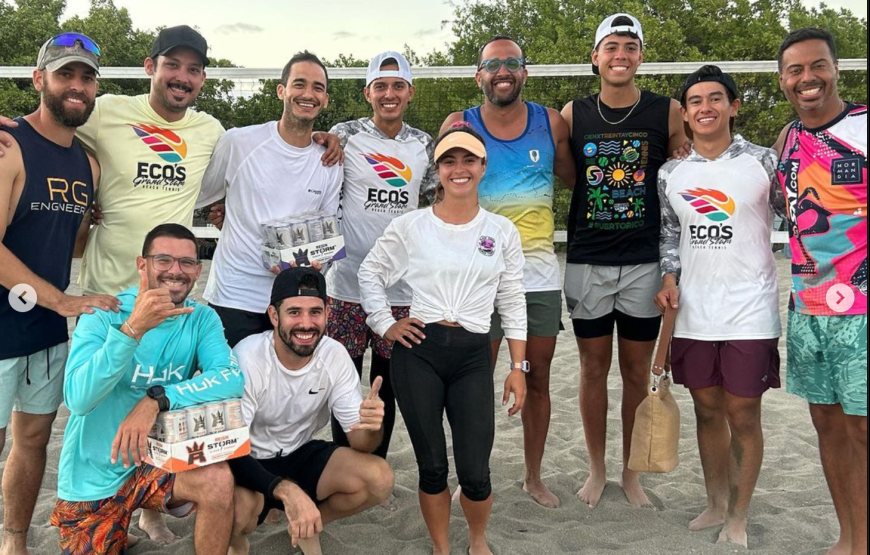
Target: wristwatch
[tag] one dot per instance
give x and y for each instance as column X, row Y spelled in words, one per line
column 157, row 393
column 521, row 366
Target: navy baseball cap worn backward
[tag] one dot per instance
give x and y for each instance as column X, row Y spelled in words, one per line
column 182, row 35
column 287, row 284
column 708, row 73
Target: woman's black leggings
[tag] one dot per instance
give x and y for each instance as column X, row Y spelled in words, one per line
column 449, row 371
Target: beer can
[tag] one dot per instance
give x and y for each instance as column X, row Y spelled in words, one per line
column 315, row 229
column 330, row 227
column 285, row 236
column 216, row 418
column 299, row 233
column 196, row 426
column 174, row 426
column 270, row 236
column 234, row 414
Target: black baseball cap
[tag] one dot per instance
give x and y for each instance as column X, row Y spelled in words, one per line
column 182, row 35
column 287, row 285
column 709, row 73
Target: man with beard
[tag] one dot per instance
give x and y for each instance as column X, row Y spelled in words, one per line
column 386, row 173
column 526, row 144
column 294, row 378
column 47, row 184
column 620, row 138
column 267, row 171
column 823, row 172
column 161, row 351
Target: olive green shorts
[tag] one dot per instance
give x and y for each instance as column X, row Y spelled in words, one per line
column 543, row 313
column 827, row 360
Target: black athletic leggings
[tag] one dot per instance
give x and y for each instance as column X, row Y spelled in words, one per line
column 449, row 371
column 380, row 367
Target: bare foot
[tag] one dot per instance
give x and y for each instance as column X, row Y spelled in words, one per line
column 439, row 551
column 592, row 490
column 311, row 546
column 709, row 518
column 842, row 547
column 479, row 548
column 7, row 548
column 239, row 546
column 634, row 491
column 734, row 532
column 274, row 517
column 152, row 524
column 541, row 494
column 389, row 504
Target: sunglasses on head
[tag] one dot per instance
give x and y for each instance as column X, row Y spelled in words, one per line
column 492, row 65
column 69, row 40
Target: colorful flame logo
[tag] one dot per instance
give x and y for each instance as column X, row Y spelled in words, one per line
column 391, row 170
column 716, row 205
column 169, row 146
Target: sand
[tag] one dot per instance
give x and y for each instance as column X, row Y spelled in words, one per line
column 791, row 512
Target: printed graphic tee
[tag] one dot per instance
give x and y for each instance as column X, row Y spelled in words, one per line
column 614, row 217
column 383, row 178
column 151, row 172
column 716, row 222
column 823, row 173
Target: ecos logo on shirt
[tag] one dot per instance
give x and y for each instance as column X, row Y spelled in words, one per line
column 170, row 148
column 717, row 207
column 395, row 173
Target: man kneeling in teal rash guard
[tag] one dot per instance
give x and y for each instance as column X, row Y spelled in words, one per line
column 123, row 369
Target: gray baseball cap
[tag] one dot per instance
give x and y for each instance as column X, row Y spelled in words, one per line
column 68, row 48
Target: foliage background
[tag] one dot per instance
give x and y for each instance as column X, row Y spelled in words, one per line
column 551, row 31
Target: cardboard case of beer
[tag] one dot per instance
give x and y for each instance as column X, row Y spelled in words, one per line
column 303, row 239
column 198, row 436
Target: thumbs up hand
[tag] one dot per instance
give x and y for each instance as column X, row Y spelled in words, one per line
column 371, row 411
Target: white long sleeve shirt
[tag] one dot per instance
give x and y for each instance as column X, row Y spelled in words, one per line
column 457, row 273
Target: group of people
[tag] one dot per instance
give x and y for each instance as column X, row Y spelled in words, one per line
column 432, row 290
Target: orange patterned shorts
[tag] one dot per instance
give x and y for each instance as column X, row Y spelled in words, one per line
column 100, row 527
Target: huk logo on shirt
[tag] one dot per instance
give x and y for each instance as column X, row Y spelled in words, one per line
column 64, row 196
column 486, row 245
column 171, row 149
column 717, row 207
column 394, row 173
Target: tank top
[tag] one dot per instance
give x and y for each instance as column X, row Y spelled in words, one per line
column 518, row 184
column 614, row 218
column 823, row 173
column 58, row 190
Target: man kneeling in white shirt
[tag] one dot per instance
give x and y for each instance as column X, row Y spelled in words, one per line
column 294, row 378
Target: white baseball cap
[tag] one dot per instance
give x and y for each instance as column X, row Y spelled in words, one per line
column 375, row 71
column 607, row 28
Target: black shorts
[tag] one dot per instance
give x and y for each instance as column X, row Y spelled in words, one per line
column 239, row 324
column 303, row 467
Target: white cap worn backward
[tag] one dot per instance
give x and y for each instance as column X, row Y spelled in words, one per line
column 375, row 71
column 607, row 28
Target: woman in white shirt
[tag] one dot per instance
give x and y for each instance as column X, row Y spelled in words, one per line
column 459, row 261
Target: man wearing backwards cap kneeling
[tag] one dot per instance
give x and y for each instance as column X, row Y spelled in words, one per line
column 294, row 378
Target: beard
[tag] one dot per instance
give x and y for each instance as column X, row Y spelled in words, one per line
column 67, row 118
column 300, row 350
column 493, row 97
column 178, row 297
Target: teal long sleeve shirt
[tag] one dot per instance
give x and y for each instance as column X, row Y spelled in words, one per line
column 107, row 373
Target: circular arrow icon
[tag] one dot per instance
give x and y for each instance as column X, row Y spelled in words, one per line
column 22, row 297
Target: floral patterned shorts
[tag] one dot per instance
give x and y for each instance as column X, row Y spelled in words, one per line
column 347, row 325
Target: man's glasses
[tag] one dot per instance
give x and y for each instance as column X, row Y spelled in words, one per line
column 492, row 65
column 163, row 262
column 69, row 40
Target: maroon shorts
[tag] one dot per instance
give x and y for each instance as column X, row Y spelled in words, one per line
column 745, row 367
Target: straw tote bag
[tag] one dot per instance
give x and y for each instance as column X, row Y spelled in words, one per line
column 656, row 434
